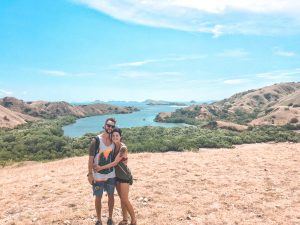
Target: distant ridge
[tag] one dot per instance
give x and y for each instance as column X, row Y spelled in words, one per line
column 14, row 111
column 278, row 104
column 162, row 102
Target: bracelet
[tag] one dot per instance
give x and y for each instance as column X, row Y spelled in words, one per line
column 89, row 174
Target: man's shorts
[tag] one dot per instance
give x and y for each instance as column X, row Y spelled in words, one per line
column 108, row 186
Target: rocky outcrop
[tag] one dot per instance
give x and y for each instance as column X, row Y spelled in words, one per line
column 226, row 125
column 162, row 116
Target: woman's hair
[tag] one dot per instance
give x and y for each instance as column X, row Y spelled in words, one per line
column 117, row 129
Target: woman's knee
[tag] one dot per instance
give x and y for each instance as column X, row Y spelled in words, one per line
column 124, row 199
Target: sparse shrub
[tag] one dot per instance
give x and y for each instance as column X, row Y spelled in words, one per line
column 294, row 120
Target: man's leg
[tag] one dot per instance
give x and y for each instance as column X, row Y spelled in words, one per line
column 98, row 207
column 98, row 191
column 111, row 203
column 110, row 189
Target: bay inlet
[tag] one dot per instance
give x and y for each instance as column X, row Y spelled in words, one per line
column 144, row 117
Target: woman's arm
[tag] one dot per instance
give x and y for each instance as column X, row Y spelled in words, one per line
column 118, row 158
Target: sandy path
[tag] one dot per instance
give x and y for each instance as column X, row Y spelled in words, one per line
column 252, row 184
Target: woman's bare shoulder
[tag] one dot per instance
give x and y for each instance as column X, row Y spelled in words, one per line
column 123, row 147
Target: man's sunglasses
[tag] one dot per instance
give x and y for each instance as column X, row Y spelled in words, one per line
column 112, row 126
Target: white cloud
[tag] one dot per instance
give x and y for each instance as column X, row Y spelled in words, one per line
column 5, row 92
column 284, row 53
column 236, row 81
column 135, row 64
column 235, row 53
column 147, row 75
column 279, row 74
column 59, row 73
column 167, row 59
column 215, row 16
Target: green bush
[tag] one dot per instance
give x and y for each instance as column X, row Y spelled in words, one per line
column 45, row 140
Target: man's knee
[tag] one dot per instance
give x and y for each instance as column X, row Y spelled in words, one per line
column 111, row 197
column 98, row 199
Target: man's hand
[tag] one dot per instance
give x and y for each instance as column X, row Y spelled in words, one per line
column 97, row 168
column 90, row 178
column 119, row 157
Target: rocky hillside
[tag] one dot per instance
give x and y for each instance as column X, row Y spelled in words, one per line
column 11, row 119
column 14, row 111
column 278, row 104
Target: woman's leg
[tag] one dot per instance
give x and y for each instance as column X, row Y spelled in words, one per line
column 124, row 211
column 124, row 191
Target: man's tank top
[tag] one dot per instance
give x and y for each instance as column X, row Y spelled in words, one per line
column 104, row 157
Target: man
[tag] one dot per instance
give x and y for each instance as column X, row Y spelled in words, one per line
column 105, row 179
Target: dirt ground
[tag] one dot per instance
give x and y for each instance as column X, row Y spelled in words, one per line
column 251, row 184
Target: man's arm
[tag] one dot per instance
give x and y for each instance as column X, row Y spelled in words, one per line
column 122, row 154
column 91, row 161
column 107, row 166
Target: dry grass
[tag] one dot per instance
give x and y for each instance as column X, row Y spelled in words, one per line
column 252, row 184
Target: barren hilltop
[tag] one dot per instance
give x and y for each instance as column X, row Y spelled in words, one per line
column 14, row 111
column 251, row 184
column 278, row 104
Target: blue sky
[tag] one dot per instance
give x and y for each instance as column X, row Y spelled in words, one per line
column 179, row 50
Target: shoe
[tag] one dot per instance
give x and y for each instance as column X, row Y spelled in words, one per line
column 110, row 222
column 98, row 223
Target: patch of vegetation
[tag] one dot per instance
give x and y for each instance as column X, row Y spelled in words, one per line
column 36, row 141
column 45, row 140
column 294, row 120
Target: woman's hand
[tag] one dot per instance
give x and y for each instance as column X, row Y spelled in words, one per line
column 97, row 168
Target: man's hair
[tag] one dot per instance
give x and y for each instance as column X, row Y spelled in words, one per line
column 111, row 119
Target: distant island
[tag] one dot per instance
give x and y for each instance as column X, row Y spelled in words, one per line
column 162, row 102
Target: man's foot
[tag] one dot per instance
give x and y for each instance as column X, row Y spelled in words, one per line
column 98, row 223
column 110, row 222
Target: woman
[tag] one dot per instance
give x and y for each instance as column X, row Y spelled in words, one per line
column 122, row 185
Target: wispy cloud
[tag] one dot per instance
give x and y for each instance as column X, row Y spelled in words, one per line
column 5, row 92
column 60, row 73
column 236, row 81
column 234, row 53
column 147, row 75
column 167, row 59
column 279, row 74
column 216, row 17
column 284, row 53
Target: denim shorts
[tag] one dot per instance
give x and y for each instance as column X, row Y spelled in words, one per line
column 108, row 186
